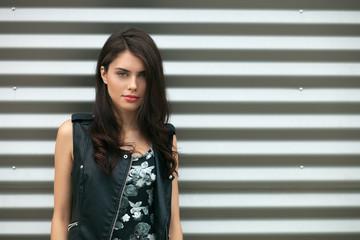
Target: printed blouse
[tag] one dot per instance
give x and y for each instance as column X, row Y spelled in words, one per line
column 136, row 215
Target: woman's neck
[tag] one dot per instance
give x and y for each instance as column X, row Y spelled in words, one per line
column 131, row 134
column 128, row 123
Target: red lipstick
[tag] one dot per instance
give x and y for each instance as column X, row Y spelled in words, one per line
column 131, row 98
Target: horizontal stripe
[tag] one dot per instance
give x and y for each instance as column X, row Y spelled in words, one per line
column 210, row 95
column 215, row 200
column 205, row 121
column 271, row 226
column 190, row 68
column 92, row 41
column 223, row 174
column 226, row 227
column 138, row 15
column 213, row 147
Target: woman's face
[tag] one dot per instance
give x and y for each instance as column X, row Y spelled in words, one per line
column 126, row 81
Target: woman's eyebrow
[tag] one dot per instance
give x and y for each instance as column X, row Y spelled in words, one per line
column 123, row 69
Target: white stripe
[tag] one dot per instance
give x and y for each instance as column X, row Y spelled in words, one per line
column 21, row 201
column 213, row 200
column 289, row 95
column 92, row 41
column 216, row 174
column 206, row 95
column 209, row 227
column 212, row 147
column 139, row 15
column 270, row 174
column 204, row 121
column 271, row 226
column 190, row 68
column 264, row 121
column 25, row 228
column 270, row 200
column 32, row 120
column 269, row 147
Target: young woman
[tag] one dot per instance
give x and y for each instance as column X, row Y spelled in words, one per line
column 116, row 169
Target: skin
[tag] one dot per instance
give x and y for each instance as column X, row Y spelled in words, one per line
column 120, row 83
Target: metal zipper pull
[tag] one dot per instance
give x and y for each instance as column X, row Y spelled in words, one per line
column 71, row 225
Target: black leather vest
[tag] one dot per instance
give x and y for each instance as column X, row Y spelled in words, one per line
column 96, row 195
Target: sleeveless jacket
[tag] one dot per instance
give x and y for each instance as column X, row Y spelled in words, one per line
column 96, row 195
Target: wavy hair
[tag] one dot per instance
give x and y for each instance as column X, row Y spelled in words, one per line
column 152, row 115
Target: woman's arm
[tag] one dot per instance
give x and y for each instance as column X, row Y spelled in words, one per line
column 175, row 230
column 62, row 182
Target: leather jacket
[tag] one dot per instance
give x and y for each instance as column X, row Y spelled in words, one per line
column 96, row 195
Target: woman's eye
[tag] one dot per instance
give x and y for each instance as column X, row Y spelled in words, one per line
column 142, row 75
column 122, row 74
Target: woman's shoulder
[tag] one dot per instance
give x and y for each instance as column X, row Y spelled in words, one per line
column 65, row 129
column 171, row 128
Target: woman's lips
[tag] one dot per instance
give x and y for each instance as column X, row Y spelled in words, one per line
column 131, row 98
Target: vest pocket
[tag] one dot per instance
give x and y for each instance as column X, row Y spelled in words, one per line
column 71, row 225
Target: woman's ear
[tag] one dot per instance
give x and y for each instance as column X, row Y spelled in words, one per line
column 103, row 74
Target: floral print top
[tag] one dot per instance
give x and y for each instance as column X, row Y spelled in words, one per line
column 136, row 216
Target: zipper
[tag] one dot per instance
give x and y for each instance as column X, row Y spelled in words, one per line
column 167, row 236
column 71, row 225
column 122, row 192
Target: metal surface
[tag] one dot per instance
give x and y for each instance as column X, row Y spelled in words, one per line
column 265, row 96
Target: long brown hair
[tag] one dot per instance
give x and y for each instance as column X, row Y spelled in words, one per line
column 153, row 113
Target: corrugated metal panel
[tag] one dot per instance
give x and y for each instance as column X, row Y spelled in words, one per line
column 265, row 96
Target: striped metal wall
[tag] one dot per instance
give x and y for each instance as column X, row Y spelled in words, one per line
column 265, row 96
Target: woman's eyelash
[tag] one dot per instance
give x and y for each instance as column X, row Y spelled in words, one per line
column 125, row 74
column 122, row 74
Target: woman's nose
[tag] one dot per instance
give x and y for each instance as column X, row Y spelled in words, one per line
column 133, row 83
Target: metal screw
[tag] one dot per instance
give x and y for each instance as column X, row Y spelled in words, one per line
column 14, row 88
column 300, row 89
column 301, row 11
column 13, row 167
column 13, row 8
